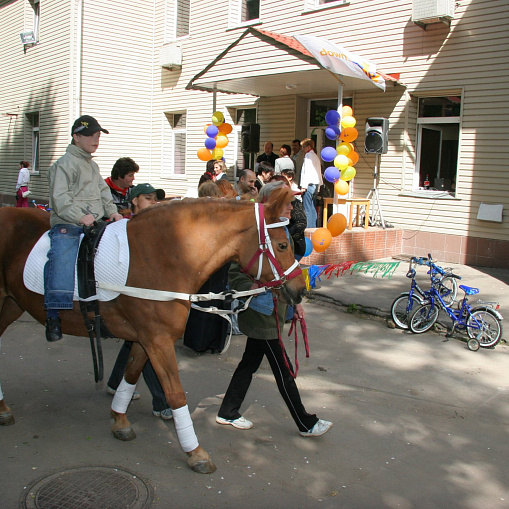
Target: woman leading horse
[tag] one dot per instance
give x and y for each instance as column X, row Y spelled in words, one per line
column 175, row 247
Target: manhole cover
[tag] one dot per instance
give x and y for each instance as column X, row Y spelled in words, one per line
column 89, row 488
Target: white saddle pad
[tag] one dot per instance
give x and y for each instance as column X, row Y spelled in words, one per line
column 111, row 262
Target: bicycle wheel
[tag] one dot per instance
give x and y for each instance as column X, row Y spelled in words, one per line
column 402, row 307
column 485, row 326
column 423, row 318
column 448, row 289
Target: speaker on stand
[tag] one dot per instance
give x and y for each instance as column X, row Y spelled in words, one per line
column 376, row 141
column 250, row 141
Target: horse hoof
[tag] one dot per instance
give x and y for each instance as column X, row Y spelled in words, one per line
column 124, row 434
column 7, row 419
column 203, row 466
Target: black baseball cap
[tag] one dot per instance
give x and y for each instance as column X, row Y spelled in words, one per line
column 146, row 189
column 86, row 126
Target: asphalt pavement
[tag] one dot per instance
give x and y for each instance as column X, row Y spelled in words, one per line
column 419, row 421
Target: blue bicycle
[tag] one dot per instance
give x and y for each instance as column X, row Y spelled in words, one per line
column 442, row 279
column 482, row 321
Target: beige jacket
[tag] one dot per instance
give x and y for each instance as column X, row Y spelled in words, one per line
column 76, row 189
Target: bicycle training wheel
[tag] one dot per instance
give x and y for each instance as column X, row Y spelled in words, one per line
column 401, row 309
column 473, row 345
column 485, row 326
column 423, row 318
column 448, row 289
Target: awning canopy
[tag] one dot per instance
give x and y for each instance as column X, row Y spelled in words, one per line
column 263, row 63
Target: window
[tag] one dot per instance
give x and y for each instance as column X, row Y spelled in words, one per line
column 177, row 19
column 36, row 14
column 438, row 127
column 174, row 145
column 243, row 11
column 241, row 160
column 33, row 122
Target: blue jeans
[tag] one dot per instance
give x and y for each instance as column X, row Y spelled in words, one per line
column 60, row 268
column 309, row 206
column 158, row 398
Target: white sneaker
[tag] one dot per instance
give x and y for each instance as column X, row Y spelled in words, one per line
column 319, row 429
column 136, row 394
column 240, row 423
column 165, row 414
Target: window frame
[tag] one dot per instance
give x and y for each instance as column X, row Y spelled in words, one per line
column 235, row 14
column 168, row 166
column 172, row 20
column 315, row 5
column 430, row 123
column 33, row 119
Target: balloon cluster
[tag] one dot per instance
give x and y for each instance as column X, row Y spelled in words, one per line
column 322, row 237
column 343, row 156
column 216, row 138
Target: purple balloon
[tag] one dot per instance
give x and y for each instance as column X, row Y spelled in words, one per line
column 332, row 117
column 210, row 143
column 309, row 247
column 328, row 154
column 332, row 174
column 212, row 131
column 332, row 132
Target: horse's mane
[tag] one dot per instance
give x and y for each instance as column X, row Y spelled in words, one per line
column 218, row 205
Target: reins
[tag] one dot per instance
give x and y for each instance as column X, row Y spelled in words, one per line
column 293, row 328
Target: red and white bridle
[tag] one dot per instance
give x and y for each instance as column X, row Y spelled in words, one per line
column 265, row 248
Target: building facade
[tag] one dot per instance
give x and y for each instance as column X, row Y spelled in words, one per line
column 153, row 73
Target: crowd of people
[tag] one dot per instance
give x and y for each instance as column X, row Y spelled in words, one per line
column 79, row 197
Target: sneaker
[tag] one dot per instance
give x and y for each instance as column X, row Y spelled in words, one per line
column 53, row 330
column 109, row 390
column 240, row 423
column 165, row 414
column 319, row 429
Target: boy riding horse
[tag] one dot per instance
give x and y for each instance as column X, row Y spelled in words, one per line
column 78, row 196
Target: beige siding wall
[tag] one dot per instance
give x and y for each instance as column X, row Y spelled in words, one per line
column 124, row 86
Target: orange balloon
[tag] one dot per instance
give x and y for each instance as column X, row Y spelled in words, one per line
column 225, row 128
column 321, row 239
column 337, row 224
column 349, row 134
column 347, row 111
column 354, row 158
column 204, row 154
column 221, row 141
column 341, row 187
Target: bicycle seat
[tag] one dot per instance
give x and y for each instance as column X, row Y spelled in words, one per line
column 469, row 290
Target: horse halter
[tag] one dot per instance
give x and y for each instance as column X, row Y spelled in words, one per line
column 265, row 248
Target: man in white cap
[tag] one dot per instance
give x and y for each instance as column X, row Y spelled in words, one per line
column 78, row 196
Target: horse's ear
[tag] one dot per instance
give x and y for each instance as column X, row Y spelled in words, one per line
column 277, row 200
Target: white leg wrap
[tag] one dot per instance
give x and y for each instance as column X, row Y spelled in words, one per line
column 185, row 429
column 1, row 393
column 123, row 397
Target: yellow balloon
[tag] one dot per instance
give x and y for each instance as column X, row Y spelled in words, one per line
column 341, row 187
column 336, row 224
column 221, row 141
column 344, row 148
column 217, row 118
column 217, row 154
column 348, row 173
column 348, row 121
column 347, row 111
column 341, row 162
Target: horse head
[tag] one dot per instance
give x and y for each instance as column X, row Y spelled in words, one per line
column 274, row 263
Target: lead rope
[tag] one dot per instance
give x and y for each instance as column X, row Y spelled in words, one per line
column 304, row 336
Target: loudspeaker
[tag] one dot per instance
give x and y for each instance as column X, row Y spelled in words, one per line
column 376, row 140
column 250, row 138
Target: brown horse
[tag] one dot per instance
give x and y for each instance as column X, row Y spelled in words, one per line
column 175, row 247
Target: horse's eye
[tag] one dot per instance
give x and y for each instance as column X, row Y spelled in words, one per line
column 283, row 246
